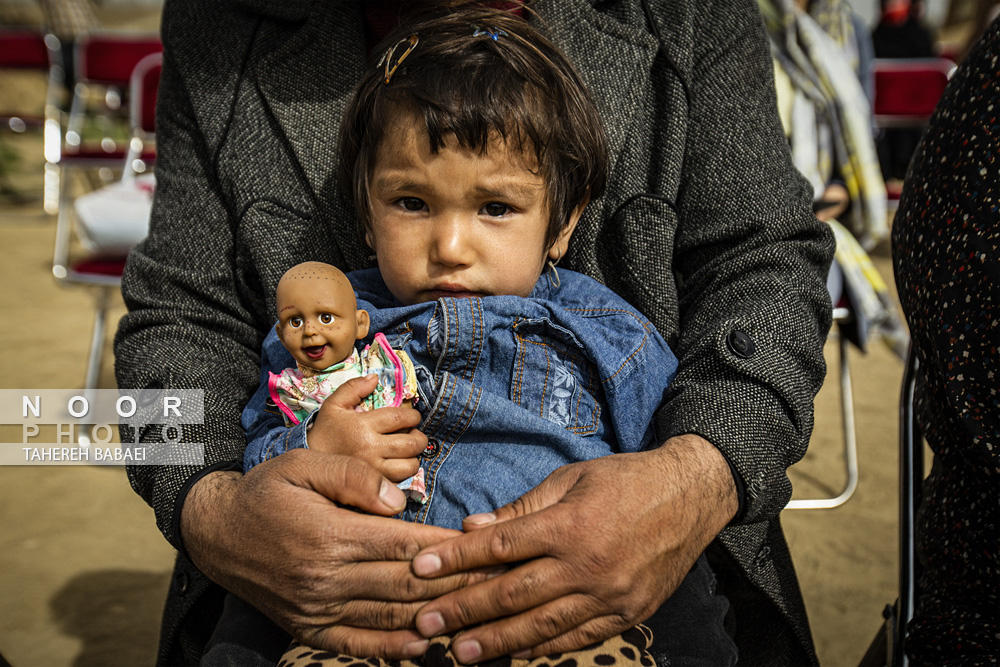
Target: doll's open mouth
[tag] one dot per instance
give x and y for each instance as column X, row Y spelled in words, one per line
column 314, row 352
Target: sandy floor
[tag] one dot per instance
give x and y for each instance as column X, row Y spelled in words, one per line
column 83, row 570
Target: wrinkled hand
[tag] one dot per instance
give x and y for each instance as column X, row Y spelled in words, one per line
column 387, row 438
column 604, row 543
column 332, row 577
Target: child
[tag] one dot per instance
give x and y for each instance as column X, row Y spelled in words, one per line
column 471, row 150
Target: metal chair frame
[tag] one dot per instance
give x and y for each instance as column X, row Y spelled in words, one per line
column 840, row 316
column 104, row 59
column 69, row 272
column 888, row 649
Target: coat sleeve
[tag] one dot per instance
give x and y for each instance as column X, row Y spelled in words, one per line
column 751, row 262
column 187, row 326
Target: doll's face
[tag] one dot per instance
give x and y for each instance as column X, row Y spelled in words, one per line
column 458, row 222
column 318, row 319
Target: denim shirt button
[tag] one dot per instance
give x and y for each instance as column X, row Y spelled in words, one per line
column 432, row 448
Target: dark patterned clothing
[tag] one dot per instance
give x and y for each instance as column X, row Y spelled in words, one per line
column 946, row 245
column 630, row 649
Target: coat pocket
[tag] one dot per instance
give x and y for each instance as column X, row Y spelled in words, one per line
column 553, row 377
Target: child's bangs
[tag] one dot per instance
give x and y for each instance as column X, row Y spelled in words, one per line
column 476, row 110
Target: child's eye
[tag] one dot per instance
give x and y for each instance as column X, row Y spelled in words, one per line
column 495, row 209
column 325, row 318
column 412, row 204
column 295, row 322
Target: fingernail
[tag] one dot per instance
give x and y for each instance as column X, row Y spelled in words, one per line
column 417, row 648
column 426, row 564
column 481, row 519
column 468, row 650
column 430, row 624
column 391, row 496
column 522, row 655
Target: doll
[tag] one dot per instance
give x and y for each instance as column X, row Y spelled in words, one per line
column 319, row 323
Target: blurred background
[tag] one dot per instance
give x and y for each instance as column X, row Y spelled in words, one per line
column 83, row 570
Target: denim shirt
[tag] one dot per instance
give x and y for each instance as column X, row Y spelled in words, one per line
column 510, row 388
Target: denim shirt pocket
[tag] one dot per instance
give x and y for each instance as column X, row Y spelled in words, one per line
column 553, row 377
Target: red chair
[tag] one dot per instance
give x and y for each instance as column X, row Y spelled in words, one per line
column 112, row 219
column 104, row 62
column 23, row 49
column 906, row 92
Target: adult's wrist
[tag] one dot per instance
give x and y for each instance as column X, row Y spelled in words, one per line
column 698, row 461
column 198, row 519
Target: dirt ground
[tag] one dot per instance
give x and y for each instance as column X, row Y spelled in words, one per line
column 83, row 570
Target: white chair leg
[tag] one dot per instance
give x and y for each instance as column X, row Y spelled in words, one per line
column 60, row 259
column 97, row 343
column 850, row 440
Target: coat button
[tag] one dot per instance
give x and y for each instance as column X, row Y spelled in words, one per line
column 432, row 448
column 181, row 583
column 740, row 344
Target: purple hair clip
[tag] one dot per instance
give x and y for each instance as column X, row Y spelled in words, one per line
column 492, row 32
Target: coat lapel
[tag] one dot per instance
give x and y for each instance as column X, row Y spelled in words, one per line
column 306, row 81
column 614, row 58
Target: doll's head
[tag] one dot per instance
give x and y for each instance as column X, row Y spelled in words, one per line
column 318, row 316
column 470, row 150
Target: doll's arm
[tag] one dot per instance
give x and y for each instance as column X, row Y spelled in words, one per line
column 267, row 435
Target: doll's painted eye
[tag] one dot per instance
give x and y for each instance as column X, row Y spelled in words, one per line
column 295, row 322
column 325, row 318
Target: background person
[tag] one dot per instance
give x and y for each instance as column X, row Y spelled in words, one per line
column 946, row 256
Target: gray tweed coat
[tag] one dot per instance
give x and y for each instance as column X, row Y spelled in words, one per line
column 706, row 228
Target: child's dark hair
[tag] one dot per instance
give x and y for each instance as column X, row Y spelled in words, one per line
column 509, row 81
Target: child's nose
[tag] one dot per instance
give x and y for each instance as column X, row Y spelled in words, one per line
column 451, row 244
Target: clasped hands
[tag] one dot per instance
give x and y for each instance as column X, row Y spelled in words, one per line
column 591, row 551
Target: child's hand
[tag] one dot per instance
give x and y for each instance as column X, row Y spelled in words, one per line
column 387, row 438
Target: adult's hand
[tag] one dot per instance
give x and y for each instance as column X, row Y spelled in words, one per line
column 603, row 544
column 332, row 577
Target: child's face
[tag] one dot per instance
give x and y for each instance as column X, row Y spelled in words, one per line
column 318, row 320
column 458, row 223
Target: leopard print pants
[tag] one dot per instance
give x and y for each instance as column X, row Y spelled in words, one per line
column 628, row 649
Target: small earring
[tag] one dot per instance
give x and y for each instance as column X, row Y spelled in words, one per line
column 553, row 273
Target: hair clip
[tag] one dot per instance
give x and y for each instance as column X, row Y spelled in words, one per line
column 390, row 67
column 492, row 32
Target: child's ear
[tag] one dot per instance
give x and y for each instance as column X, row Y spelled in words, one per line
column 561, row 244
column 363, row 323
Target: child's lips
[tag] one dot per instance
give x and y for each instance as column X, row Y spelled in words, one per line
column 314, row 352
